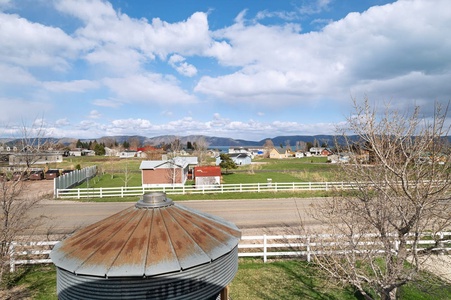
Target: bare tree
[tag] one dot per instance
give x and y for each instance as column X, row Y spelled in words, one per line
column 31, row 141
column 268, row 146
column 173, row 170
column 200, row 150
column 176, row 147
column 134, row 142
column 16, row 198
column 287, row 145
column 127, row 175
column 403, row 193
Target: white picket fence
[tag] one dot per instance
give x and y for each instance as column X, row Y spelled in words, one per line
column 79, row 193
column 264, row 246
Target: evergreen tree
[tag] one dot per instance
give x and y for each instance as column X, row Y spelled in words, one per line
column 226, row 162
column 99, row 149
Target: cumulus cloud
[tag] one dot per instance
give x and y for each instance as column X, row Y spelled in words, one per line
column 398, row 51
column 115, row 36
column 362, row 51
column 29, row 44
column 149, row 89
column 94, row 114
column 62, row 122
column 179, row 64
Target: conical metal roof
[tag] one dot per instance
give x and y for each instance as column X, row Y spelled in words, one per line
column 154, row 237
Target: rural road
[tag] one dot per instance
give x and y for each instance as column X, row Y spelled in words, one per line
column 251, row 216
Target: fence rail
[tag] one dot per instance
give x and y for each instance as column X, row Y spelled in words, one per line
column 79, row 193
column 264, row 246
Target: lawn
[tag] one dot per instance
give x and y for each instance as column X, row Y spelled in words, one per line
column 113, row 171
column 278, row 279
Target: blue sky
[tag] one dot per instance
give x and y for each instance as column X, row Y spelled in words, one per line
column 240, row 69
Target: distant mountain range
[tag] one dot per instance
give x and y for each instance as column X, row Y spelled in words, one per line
column 218, row 141
column 210, row 140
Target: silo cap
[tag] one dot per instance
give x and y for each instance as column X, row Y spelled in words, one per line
column 154, row 200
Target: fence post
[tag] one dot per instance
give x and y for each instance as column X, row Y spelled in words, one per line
column 100, row 192
column 308, row 249
column 12, row 262
column 441, row 244
column 78, row 193
column 265, row 248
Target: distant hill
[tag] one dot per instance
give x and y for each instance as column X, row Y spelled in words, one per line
column 211, row 140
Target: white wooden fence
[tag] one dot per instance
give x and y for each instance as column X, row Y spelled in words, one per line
column 264, row 246
column 79, row 193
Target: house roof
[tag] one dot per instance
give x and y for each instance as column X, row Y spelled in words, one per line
column 154, row 164
column 238, row 155
column 190, row 160
column 207, row 171
column 281, row 150
column 179, row 161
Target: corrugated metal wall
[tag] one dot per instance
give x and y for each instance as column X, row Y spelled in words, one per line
column 203, row 282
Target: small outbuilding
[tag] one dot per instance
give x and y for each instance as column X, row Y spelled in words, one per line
column 207, row 176
column 167, row 172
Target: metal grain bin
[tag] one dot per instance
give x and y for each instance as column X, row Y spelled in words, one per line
column 154, row 250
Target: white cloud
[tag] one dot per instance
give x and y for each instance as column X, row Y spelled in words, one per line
column 94, row 114
column 77, row 86
column 314, row 7
column 386, row 44
column 149, row 89
column 5, row 4
column 114, row 103
column 30, row 44
column 120, row 41
column 16, row 75
column 15, row 110
column 62, row 122
column 178, row 63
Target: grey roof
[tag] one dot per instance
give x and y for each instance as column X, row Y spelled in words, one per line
column 238, row 155
column 180, row 161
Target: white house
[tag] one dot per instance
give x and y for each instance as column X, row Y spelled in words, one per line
column 240, row 159
column 127, row 154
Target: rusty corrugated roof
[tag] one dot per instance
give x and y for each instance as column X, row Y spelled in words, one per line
column 145, row 241
column 207, row 171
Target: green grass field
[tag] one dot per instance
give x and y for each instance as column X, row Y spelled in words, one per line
column 255, row 280
column 112, row 171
